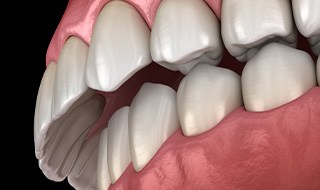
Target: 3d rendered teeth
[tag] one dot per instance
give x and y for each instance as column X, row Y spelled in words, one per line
column 184, row 34
column 103, row 176
column 118, row 143
column 307, row 18
column 247, row 25
column 119, row 46
column 69, row 84
column 277, row 75
column 152, row 119
column 205, row 96
column 84, row 171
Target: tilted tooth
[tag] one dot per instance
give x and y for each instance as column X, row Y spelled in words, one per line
column 119, row 46
column 118, row 144
column 184, row 34
column 247, row 25
column 103, row 177
column 84, row 172
column 69, row 83
column 42, row 116
column 318, row 70
column 307, row 18
column 277, row 75
column 152, row 119
column 205, row 96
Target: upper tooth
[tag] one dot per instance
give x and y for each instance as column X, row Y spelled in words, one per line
column 42, row 116
column 318, row 70
column 119, row 46
column 277, row 75
column 118, row 143
column 185, row 33
column 205, row 96
column 246, row 25
column 103, row 177
column 84, row 171
column 152, row 119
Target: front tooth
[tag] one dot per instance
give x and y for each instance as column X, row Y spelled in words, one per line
column 247, row 25
column 84, row 171
column 103, row 177
column 307, row 18
column 119, row 46
column 42, row 116
column 184, row 34
column 205, row 96
column 118, row 143
column 70, row 83
column 152, row 119
column 277, row 75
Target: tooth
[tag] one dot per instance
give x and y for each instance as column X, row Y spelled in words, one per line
column 119, row 44
column 248, row 25
column 84, row 171
column 42, row 116
column 103, row 177
column 64, row 146
column 315, row 44
column 318, row 70
column 184, row 34
column 307, row 15
column 118, row 144
column 277, row 75
column 69, row 83
column 205, row 96
column 152, row 119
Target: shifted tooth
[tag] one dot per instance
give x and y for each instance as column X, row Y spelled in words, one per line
column 184, row 34
column 118, row 143
column 152, row 119
column 42, row 116
column 103, row 177
column 205, row 96
column 119, row 46
column 248, row 25
column 277, row 75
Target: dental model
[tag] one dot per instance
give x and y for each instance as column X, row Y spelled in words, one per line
column 182, row 94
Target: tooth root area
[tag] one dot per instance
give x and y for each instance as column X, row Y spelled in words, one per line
column 185, row 33
column 277, row 75
column 103, row 176
column 69, row 82
column 118, row 143
column 152, row 119
column 205, row 96
column 247, row 25
column 119, row 44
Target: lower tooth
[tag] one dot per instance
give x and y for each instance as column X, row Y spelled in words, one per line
column 315, row 44
column 205, row 96
column 152, row 119
column 103, row 177
column 275, row 76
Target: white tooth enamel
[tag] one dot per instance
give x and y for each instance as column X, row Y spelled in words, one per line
column 205, row 96
column 69, row 83
column 277, row 75
column 103, row 177
column 119, row 46
column 152, row 119
column 64, row 144
column 247, row 25
column 42, row 116
column 185, row 33
column 118, row 144
column 84, row 172
column 318, row 70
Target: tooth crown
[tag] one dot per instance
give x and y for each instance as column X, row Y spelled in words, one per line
column 103, row 177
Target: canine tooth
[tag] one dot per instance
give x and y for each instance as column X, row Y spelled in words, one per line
column 152, row 119
column 119, row 46
column 277, row 75
column 247, row 25
column 205, row 96
column 185, row 33
column 103, row 177
column 42, row 116
column 118, row 144
column 69, row 83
